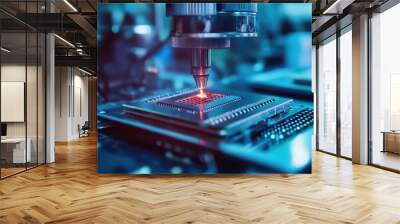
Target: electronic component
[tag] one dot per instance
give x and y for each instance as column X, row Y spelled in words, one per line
column 261, row 145
column 286, row 127
column 203, row 26
column 199, row 100
column 221, row 113
column 196, row 104
column 206, row 130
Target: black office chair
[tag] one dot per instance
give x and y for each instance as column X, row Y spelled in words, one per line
column 84, row 130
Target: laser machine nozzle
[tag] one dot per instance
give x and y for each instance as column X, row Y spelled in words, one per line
column 203, row 26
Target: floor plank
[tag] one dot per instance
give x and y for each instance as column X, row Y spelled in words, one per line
column 70, row 191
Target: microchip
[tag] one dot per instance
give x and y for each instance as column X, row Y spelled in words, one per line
column 222, row 112
column 196, row 103
column 200, row 101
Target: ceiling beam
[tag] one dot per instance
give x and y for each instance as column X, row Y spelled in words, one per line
column 86, row 26
column 82, row 61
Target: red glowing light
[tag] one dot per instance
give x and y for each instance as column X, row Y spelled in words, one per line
column 199, row 100
column 202, row 95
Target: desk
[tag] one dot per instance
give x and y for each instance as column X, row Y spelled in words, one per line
column 17, row 151
column 391, row 141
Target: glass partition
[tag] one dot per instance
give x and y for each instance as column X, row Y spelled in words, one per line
column 22, row 88
column 14, row 153
column 346, row 93
column 41, row 96
column 31, row 100
column 326, row 101
column 385, row 89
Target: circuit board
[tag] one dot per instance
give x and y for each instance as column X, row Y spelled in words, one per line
column 263, row 145
column 222, row 112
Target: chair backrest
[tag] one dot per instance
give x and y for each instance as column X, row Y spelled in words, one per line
column 86, row 124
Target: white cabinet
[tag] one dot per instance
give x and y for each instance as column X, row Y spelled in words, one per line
column 19, row 155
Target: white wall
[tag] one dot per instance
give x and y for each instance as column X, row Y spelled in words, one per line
column 71, row 93
column 16, row 72
column 81, row 100
column 61, row 103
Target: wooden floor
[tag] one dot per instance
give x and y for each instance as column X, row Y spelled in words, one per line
column 70, row 191
column 5, row 172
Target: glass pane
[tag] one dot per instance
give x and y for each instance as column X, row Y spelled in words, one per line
column 31, row 100
column 346, row 94
column 13, row 87
column 32, row 87
column 41, row 98
column 386, row 89
column 23, row 82
column 327, row 97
